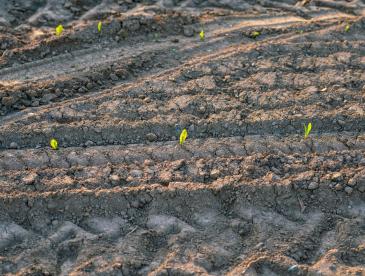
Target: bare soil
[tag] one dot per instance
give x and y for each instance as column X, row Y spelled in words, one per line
column 245, row 195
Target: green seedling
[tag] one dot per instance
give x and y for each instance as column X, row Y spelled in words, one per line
column 183, row 136
column 100, row 24
column 54, row 144
column 255, row 34
column 347, row 27
column 202, row 35
column 307, row 130
column 59, row 30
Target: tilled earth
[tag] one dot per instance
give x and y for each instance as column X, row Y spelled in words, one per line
column 244, row 195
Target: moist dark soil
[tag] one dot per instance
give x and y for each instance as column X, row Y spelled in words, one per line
column 245, row 194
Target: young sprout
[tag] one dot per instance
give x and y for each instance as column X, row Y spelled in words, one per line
column 183, row 136
column 307, row 130
column 100, row 24
column 255, row 34
column 347, row 27
column 54, row 144
column 59, row 30
column 202, row 35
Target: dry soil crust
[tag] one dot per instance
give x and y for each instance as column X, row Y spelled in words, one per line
column 245, row 194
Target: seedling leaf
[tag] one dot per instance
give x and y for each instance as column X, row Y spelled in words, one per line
column 183, row 136
column 100, row 24
column 307, row 130
column 54, row 144
column 202, row 35
column 59, row 30
column 255, row 34
column 347, row 27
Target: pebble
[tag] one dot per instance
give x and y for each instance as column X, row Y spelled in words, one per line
column 293, row 268
column 313, row 186
column 89, row 85
column 8, row 101
column 352, row 182
column 188, row 31
column 89, row 143
column 165, row 177
column 29, row 179
column 348, row 190
column 214, row 174
column 136, row 173
column 148, row 162
column 114, row 77
column 114, row 178
column 338, row 187
column 13, row 145
column 202, row 109
column 135, row 204
column 337, row 176
column 82, row 89
column 151, row 137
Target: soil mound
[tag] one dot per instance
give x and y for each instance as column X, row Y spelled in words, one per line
column 245, row 194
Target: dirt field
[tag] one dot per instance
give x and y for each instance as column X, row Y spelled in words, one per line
column 245, row 195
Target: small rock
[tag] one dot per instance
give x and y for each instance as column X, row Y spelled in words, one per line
column 313, row 186
column 7, row 53
column 47, row 98
column 188, row 31
column 151, row 137
column 13, row 145
column 29, row 179
column 259, row 245
column 89, row 143
column 135, row 204
column 8, row 101
column 114, row 178
column 89, row 85
column 148, row 162
column 352, row 182
column 30, row 202
column 214, row 174
column 338, row 187
column 202, row 109
column 337, row 176
column 114, row 77
column 165, row 177
column 293, row 268
column 136, row 173
column 82, row 89
column 348, row 190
